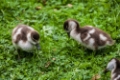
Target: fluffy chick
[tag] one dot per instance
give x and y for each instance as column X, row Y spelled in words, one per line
column 114, row 67
column 90, row 37
column 25, row 38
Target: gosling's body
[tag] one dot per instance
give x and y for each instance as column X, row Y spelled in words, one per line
column 88, row 36
column 114, row 67
column 25, row 38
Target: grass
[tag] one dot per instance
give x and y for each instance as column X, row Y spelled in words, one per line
column 60, row 57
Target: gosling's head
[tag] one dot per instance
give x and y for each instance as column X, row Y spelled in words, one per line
column 33, row 38
column 112, row 65
column 70, row 24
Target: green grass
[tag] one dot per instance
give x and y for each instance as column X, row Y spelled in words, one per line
column 60, row 57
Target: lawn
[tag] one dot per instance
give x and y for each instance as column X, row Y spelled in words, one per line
column 60, row 57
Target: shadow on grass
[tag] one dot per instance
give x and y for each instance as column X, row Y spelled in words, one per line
column 77, row 51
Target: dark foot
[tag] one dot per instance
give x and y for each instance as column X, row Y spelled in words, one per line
column 23, row 54
column 18, row 56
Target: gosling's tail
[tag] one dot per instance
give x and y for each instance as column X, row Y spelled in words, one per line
column 111, row 42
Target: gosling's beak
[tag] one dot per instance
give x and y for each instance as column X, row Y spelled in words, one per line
column 37, row 46
column 106, row 70
column 68, row 33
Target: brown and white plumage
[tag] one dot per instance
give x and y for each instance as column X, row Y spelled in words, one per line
column 25, row 38
column 90, row 37
column 114, row 67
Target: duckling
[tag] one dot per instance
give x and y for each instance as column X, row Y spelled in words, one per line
column 25, row 38
column 114, row 67
column 90, row 37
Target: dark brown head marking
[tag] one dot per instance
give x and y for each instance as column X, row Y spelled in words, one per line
column 66, row 26
column 35, row 36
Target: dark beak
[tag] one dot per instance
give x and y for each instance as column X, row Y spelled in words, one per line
column 37, row 46
column 68, row 33
column 105, row 71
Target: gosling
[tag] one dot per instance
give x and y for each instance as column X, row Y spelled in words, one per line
column 25, row 38
column 114, row 67
column 90, row 37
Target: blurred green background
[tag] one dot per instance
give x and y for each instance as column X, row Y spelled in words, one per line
column 60, row 57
